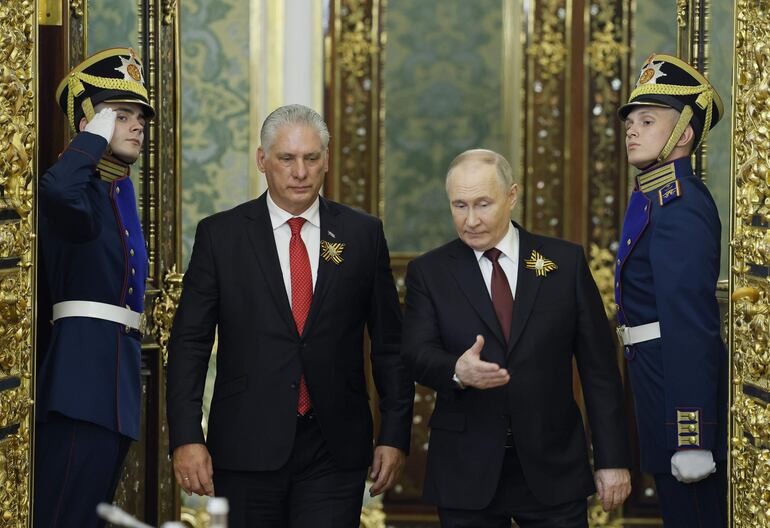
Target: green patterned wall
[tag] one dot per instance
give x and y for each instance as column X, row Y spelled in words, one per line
column 215, row 110
column 443, row 94
column 720, row 71
column 112, row 24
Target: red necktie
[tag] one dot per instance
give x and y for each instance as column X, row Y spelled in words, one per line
column 502, row 299
column 301, row 296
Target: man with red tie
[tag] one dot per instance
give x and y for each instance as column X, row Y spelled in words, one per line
column 493, row 322
column 289, row 281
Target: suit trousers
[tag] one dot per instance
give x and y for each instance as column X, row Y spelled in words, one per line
column 514, row 500
column 702, row 504
column 77, row 465
column 309, row 491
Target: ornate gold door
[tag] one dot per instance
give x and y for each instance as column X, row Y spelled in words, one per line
column 41, row 40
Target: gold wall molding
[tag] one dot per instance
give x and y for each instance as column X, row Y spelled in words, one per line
column 169, row 11
column 78, row 8
column 18, row 130
column 749, row 321
column 547, row 102
column 353, row 102
column 608, row 36
column 164, row 309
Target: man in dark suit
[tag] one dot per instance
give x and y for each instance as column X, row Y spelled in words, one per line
column 289, row 281
column 93, row 252
column 493, row 321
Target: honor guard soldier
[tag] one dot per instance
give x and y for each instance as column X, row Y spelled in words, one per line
column 665, row 288
column 95, row 261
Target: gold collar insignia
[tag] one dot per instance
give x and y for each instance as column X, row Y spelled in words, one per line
column 540, row 264
column 332, row 251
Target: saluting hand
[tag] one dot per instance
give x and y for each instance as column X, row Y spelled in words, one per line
column 475, row 372
column 103, row 123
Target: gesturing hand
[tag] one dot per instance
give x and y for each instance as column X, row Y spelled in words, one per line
column 103, row 124
column 475, row 372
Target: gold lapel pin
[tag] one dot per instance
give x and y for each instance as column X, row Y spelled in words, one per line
column 540, row 264
column 332, row 251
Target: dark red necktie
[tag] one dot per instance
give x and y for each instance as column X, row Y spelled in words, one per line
column 301, row 296
column 502, row 299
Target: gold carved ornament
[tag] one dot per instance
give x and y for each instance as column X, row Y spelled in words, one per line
column 164, row 309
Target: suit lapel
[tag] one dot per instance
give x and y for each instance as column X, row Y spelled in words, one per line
column 260, row 232
column 527, row 284
column 465, row 269
column 332, row 231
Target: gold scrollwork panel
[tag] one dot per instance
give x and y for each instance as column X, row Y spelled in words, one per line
column 749, row 319
column 18, row 20
column 547, row 103
column 353, row 101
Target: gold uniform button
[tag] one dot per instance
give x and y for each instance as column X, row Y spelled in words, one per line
column 628, row 242
column 126, row 232
column 693, row 440
column 131, row 252
column 618, row 261
column 133, row 271
column 117, row 190
column 691, row 416
column 130, row 291
column 691, row 427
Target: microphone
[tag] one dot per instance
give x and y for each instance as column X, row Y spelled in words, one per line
column 118, row 517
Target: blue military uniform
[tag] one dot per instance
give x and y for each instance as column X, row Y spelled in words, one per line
column 94, row 255
column 665, row 282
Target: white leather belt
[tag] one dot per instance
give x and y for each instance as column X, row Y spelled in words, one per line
column 631, row 335
column 97, row 310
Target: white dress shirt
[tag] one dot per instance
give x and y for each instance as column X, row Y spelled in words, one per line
column 509, row 260
column 310, row 233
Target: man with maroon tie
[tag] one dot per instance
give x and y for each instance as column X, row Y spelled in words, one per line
column 289, row 281
column 493, row 322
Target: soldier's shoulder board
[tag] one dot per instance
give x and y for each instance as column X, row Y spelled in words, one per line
column 669, row 192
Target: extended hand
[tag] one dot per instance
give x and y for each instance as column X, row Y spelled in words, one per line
column 103, row 124
column 474, row 372
column 193, row 469
column 613, row 486
column 386, row 468
column 692, row 465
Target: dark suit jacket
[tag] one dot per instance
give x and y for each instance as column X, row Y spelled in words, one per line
column 556, row 318
column 234, row 281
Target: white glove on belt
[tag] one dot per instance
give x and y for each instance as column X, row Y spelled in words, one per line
column 692, row 465
column 103, row 124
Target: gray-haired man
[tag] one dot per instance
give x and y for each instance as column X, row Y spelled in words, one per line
column 289, row 281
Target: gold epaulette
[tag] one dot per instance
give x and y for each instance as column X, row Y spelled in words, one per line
column 657, row 178
column 111, row 170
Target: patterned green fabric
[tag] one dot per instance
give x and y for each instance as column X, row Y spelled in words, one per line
column 215, row 110
column 719, row 141
column 111, row 24
column 443, row 94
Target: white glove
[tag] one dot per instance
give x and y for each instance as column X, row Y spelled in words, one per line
column 103, row 124
column 692, row 465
